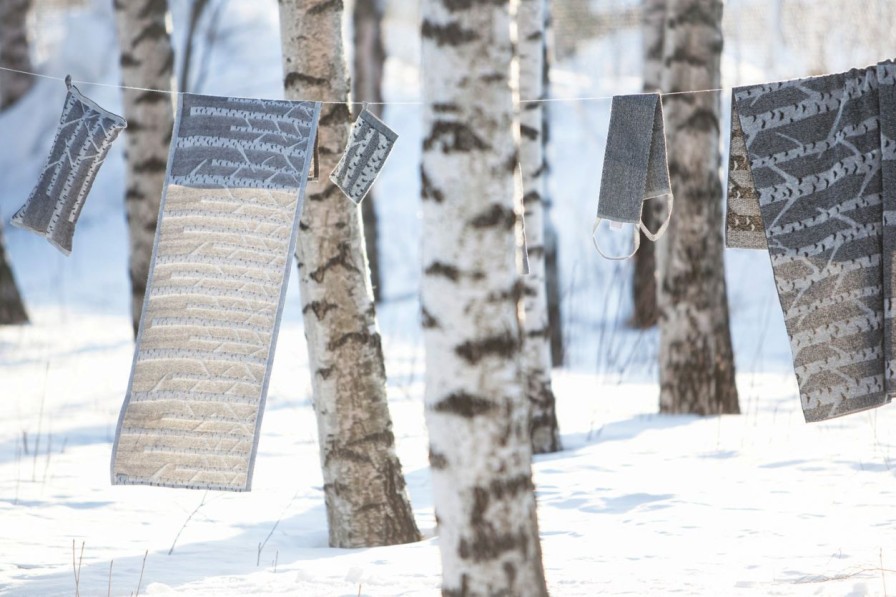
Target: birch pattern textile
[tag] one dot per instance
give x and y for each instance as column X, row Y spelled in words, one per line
column 813, row 178
column 635, row 167
column 227, row 229
column 83, row 138
column 369, row 144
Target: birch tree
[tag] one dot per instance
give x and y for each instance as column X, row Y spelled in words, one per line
column 551, row 269
column 364, row 489
column 644, row 288
column 696, row 360
column 536, row 349
column 14, row 51
column 147, row 62
column 476, row 407
column 369, row 61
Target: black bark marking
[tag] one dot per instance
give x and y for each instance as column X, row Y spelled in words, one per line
column 502, row 346
column 437, row 460
column 152, row 32
column 437, row 268
column 150, row 165
column 429, row 190
column 453, row 137
column 363, row 338
column 320, row 308
column 325, row 6
column 529, row 132
column 343, row 259
column 427, row 321
column 464, row 405
column 325, row 372
column 337, row 114
column 451, row 34
column 495, row 216
column 301, row 79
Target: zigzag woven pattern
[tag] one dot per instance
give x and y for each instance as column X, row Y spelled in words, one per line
column 227, row 230
column 83, row 138
column 813, row 179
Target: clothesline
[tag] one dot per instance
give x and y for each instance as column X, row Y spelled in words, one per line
column 359, row 103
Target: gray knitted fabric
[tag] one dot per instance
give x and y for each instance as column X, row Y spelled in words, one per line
column 83, row 138
column 227, row 230
column 635, row 166
column 369, row 144
column 818, row 158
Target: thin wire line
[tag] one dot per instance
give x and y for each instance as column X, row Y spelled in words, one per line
column 359, row 103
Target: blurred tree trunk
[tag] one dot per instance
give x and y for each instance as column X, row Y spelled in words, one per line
column 364, row 489
column 696, row 360
column 551, row 269
column 14, row 51
column 476, row 408
column 147, row 61
column 644, row 289
column 370, row 59
column 197, row 9
column 536, row 349
column 12, row 310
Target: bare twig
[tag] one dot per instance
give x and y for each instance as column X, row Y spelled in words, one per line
column 40, row 420
column 142, row 568
column 77, row 568
column 109, row 592
column 274, row 528
column 184, row 525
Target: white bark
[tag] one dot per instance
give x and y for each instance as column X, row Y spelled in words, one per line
column 696, row 360
column 476, row 410
column 147, row 61
column 365, row 494
column 14, row 52
column 536, row 350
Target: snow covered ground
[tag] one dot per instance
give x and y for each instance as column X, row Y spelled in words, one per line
column 756, row 504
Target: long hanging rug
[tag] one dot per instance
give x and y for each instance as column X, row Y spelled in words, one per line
column 812, row 177
column 227, row 229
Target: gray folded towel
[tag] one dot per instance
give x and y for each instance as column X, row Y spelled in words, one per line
column 635, row 167
column 369, row 144
column 812, row 177
column 83, row 138
column 217, row 283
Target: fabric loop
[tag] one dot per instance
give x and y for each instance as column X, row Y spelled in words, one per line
column 635, row 247
column 655, row 236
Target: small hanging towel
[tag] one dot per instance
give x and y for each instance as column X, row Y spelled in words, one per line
column 83, row 138
column 369, row 144
column 635, row 167
column 812, row 179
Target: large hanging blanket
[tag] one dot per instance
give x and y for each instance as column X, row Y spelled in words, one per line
column 227, row 230
column 812, row 177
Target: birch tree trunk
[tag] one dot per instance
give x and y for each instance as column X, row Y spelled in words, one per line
column 476, row 408
column 551, row 269
column 14, row 51
column 13, row 54
column 369, row 59
column 12, row 310
column 536, row 349
column 364, row 489
column 147, row 61
column 644, row 288
column 696, row 360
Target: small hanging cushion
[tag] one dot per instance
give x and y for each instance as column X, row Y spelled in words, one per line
column 83, row 138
